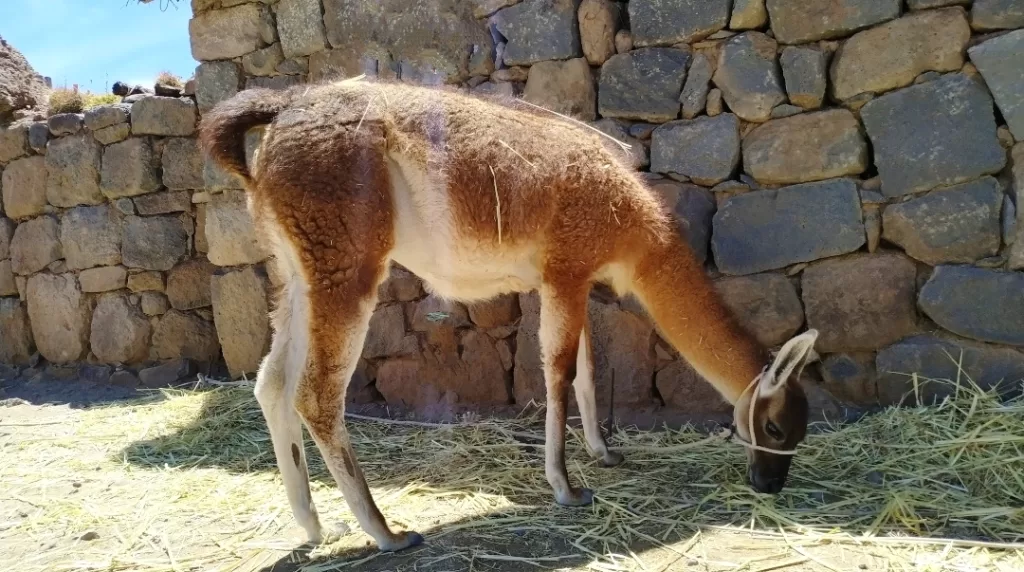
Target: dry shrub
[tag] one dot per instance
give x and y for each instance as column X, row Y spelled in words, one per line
column 66, row 101
column 169, row 79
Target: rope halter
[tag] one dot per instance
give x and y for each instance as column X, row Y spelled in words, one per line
column 752, row 444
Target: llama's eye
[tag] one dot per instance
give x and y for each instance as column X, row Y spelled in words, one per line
column 773, row 431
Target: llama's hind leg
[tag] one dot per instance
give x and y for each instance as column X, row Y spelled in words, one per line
column 337, row 333
column 587, row 402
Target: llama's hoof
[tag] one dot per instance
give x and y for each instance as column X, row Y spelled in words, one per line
column 611, row 459
column 401, row 541
column 575, row 497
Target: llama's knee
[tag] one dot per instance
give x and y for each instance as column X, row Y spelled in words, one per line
column 270, row 381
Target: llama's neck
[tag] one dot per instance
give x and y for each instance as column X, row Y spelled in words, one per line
column 673, row 287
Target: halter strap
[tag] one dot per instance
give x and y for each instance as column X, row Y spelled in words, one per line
column 752, row 444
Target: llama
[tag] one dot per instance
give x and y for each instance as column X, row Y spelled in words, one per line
column 478, row 198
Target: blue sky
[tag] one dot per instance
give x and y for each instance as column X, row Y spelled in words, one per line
column 96, row 42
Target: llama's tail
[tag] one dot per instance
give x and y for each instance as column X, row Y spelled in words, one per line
column 222, row 130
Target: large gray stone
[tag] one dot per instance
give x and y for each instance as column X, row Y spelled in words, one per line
column 643, row 84
column 120, row 331
column 240, row 314
column 684, row 390
column 35, row 245
column 113, row 134
column 692, row 207
column 978, row 303
column 230, row 232
column 860, row 302
column 60, row 316
column 91, row 236
column 13, row 143
column 934, row 40
column 766, row 305
column 226, row 34
column 998, row 60
column 263, row 62
column 165, row 116
column 997, row 14
column 667, row 22
column 16, row 332
column 103, row 278
column 65, row 123
column 850, row 377
column 958, row 224
column 102, row 116
column 181, row 335
column 163, row 203
column 800, row 21
column 539, row 30
column 770, row 229
column 73, row 171
column 300, row 24
column 564, row 87
column 804, row 70
column 806, row 147
column 215, row 82
column 130, row 168
column 182, row 163
column 622, row 343
column 7, row 227
column 24, row 187
column 941, row 132
column 748, row 76
column 935, row 364
column 705, row 149
column 38, row 136
column 695, row 89
column 153, row 243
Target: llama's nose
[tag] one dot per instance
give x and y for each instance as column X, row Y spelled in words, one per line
column 766, row 484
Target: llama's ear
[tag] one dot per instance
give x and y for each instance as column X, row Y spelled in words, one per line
column 792, row 358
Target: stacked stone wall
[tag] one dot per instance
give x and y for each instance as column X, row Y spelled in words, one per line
column 851, row 166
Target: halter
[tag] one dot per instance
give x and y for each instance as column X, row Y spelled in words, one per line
column 752, row 444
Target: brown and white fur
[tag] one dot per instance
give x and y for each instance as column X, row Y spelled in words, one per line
column 478, row 198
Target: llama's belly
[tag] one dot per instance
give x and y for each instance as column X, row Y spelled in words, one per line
column 428, row 244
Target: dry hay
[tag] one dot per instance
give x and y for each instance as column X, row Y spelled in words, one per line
column 186, row 481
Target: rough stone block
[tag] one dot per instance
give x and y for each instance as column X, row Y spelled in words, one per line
column 564, row 87
column 748, row 76
column 226, row 34
column 998, row 60
column 38, row 136
column 8, row 284
column 146, row 281
column 928, row 4
column 499, row 311
column 997, row 14
column 106, row 115
column 35, row 245
column 695, row 89
column 918, row 42
column 949, row 225
column 230, row 231
column 977, row 303
column 113, row 134
column 804, row 71
column 7, row 227
column 73, row 171
column 772, row 229
column 401, row 286
column 215, row 82
column 935, row 361
column 188, row 284
column 91, row 236
column 938, row 133
column 622, row 342
column 153, row 303
column 539, row 30
column 264, row 62
column 181, row 335
column 748, row 15
column 386, row 334
column 163, row 203
column 13, row 143
column 528, row 374
column 130, row 168
column 860, row 302
column 599, row 21
column 693, row 210
column 153, row 243
column 800, row 21
column 667, row 22
column 16, row 333
column 850, row 377
column 165, row 116
column 103, row 278
column 120, row 331
column 240, row 314
column 806, row 147
column 644, row 84
column 60, row 316
column 766, row 305
column 300, row 24
column 1016, row 254
column 65, row 124
column 705, row 149
column 169, row 374
column 24, row 187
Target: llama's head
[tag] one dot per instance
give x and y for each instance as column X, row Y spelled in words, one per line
column 771, row 416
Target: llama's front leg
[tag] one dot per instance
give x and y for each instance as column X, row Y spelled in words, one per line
column 587, row 402
column 562, row 315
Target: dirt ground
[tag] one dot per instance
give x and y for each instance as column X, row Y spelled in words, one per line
column 92, row 478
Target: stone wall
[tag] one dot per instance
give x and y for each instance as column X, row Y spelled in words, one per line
column 847, row 165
